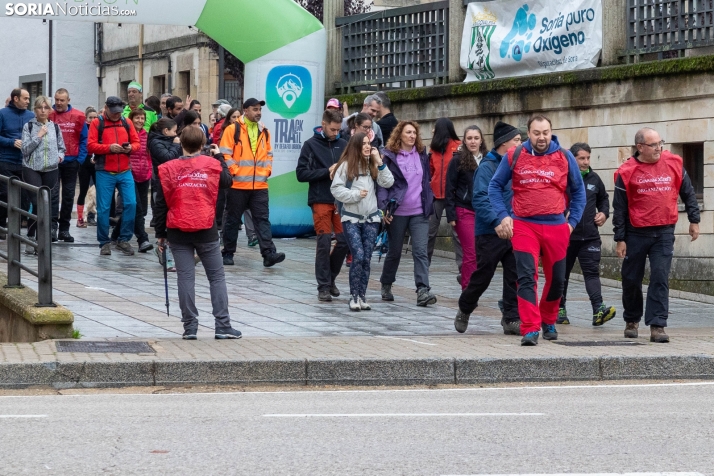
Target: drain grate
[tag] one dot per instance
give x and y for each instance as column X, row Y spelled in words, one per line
column 599, row 343
column 104, row 347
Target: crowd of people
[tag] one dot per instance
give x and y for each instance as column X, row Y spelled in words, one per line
column 519, row 204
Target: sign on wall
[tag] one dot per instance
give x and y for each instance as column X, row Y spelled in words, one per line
column 522, row 37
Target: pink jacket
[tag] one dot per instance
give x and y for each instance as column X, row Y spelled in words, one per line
column 141, row 160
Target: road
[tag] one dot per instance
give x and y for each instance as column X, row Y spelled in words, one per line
column 514, row 430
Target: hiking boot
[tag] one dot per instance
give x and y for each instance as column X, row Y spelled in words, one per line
column 563, row 317
column 30, row 250
column 65, row 236
column 334, row 292
column 657, row 335
column 253, row 242
column 363, row 304
column 631, row 330
column 54, row 236
column 511, row 328
column 81, row 223
column 387, row 292
column 228, row 260
column 425, row 297
column 91, row 220
column 530, row 339
column 549, row 332
column 145, row 246
column 461, row 321
column 125, row 248
column 354, row 304
column 106, row 249
column 189, row 334
column 227, row 333
column 603, row 315
column 324, row 295
column 273, row 259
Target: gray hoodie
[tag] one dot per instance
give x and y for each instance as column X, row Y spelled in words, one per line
column 41, row 153
column 352, row 200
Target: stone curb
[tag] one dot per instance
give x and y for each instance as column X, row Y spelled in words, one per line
column 357, row 372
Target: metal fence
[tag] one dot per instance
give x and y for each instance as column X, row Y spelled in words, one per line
column 396, row 48
column 233, row 93
column 666, row 28
column 15, row 240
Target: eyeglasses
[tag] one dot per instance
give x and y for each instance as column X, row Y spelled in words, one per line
column 365, row 128
column 656, row 145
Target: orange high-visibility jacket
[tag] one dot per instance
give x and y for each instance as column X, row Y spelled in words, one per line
column 250, row 171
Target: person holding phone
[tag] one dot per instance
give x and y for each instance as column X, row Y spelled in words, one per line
column 354, row 185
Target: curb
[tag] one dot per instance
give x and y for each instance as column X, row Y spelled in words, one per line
column 356, row 372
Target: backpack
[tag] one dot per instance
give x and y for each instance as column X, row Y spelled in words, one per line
column 30, row 125
column 519, row 149
column 101, row 127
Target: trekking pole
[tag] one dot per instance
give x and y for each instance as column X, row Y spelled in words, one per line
column 166, row 277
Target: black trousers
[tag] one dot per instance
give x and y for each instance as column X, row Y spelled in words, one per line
column 38, row 179
column 588, row 253
column 142, row 206
column 490, row 250
column 11, row 170
column 68, row 181
column 86, row 175
column 237, row 202
column 659, row 250
column 220, row 207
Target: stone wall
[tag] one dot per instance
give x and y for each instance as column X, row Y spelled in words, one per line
column 603, row 107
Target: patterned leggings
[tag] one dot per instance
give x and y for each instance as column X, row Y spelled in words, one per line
column 360, row 238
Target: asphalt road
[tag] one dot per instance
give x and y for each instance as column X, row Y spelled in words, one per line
column 544, row 430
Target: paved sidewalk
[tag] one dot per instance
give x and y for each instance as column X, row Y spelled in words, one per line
column 289, row 337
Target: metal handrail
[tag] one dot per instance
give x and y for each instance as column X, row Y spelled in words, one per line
column 42, row 245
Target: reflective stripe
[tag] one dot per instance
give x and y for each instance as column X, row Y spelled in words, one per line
column 249, row 178
column 270, row 154
column 261, row 178
column 225, row 150
column 252, row 163
column 230, row 162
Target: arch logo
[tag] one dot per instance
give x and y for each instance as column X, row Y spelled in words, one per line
column 289, row 90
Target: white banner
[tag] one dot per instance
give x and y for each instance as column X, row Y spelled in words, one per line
column 521, row 37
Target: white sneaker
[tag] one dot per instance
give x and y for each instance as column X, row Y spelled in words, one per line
column 30, row 250
column 363, row 304
column 355, row 304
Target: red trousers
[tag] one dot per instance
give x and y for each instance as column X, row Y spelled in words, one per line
column 550, row 243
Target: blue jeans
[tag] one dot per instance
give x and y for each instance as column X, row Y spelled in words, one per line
column 360, row 238
column 106, row 183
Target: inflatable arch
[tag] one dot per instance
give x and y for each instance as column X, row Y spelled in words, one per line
column 284, row 50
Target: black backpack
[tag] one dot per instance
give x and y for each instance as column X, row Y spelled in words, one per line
column 519, row 149
column 101, row 133
column 30, row 125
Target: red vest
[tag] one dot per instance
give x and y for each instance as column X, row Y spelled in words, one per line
column 190, row 187
column 71, row 123
column 539, row 183
column 652, row 189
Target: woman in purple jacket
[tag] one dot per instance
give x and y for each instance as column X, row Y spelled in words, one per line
column 407, row 204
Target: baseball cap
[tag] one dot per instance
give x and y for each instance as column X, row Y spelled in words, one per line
column 333, row 103
column 219, row 102
column 114, row 104
column 252, row 102
column 135, row 85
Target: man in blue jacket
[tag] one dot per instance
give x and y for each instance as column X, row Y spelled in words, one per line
column 492, row 244
column 541, row 173
column 12, row 119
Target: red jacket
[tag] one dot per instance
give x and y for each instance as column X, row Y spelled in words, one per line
column 114, row 133
column 71, row 123
column 439, row 164
column 217, row 131
column 190, row 188
column 140, row 160
column 652, row 189
column 539, row 183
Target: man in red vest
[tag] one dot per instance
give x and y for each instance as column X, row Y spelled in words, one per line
column 645, row 212
column 541, row 172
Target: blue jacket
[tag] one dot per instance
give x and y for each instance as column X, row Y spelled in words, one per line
column 575, row 184
column 486, row 219
column 12, row 120
column 399, row 189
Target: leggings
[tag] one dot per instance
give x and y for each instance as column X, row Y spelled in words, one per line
column 38, row 179
column 360, row 238
column 87, row 172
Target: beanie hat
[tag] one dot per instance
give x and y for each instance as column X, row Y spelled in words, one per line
column 135, row 85
column 223, row 110
column 503, row 133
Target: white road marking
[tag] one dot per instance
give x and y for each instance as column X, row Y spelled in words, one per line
column 390, row 415
column 23, row 416
column 587, row 474
column 402, row 338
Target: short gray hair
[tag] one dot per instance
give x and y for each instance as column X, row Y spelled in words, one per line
column 166, row 95
column 384, row 99
column 372, row 97
column 640, row 135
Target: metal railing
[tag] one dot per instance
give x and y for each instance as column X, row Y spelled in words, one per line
column 666, row 28
column 397, row 48
column 43, row 244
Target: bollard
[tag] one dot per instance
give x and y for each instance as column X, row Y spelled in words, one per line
column 44, row 248
column 14, row 222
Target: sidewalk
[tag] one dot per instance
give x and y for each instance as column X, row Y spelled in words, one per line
column 289, row 337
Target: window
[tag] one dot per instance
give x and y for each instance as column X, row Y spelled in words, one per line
column 123, row 86
column 158, row 85
column 35, row 89
column 693, row 155
column 184, row 84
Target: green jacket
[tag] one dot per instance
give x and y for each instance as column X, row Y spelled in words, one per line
column 150, row 115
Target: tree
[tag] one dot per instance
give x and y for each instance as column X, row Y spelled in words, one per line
column 352, row 7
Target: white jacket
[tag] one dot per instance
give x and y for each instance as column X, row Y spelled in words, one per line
column 352, row 200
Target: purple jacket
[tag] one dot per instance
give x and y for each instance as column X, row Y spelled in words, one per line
column 399, row 189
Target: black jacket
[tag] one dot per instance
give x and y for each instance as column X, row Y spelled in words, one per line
column 387, row 123
column 162, row 149
column 597, row 200
column 161, row 209
column 621, row 213
column 316, row 157
column 459, row 187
